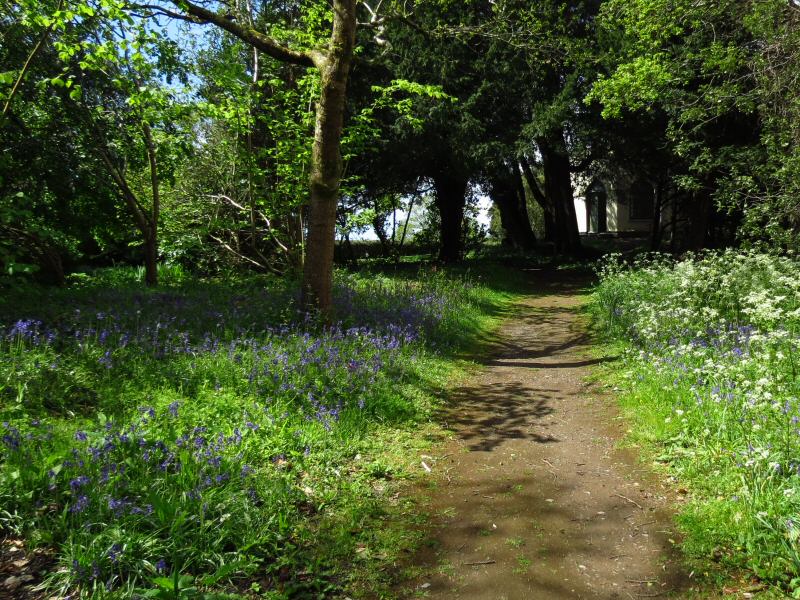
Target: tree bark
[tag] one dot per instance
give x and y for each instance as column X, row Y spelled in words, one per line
column 326, row 159
column 548, row 209
column 508, row 194
column 151, row 231
column 450, row 197
column 558, row 188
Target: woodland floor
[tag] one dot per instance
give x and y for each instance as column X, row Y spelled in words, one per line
column 532, row 498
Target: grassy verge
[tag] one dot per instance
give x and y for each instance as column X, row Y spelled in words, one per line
column 709, row 382
column 205, row 439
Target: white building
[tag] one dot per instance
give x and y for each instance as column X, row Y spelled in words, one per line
column 615, row 206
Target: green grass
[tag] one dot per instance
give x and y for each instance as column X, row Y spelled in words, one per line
column 709, row 381
column 205, row 439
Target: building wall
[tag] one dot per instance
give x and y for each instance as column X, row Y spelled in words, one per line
column 618, row 211
column 580, row 211
column 620, row 216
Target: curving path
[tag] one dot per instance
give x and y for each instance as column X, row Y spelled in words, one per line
column 532, row 499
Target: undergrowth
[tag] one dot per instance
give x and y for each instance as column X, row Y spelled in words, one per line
column 206, row 439
column 711, row 380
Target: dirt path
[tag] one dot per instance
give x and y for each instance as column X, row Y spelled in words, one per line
column 531, row 500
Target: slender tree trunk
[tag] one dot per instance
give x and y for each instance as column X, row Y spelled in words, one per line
column 379, row 226
column 151, row 231
column 326, row 160
column 655, row 230
column 405, row 226
column 451, row 193
column 29, row 61
column 558, row 188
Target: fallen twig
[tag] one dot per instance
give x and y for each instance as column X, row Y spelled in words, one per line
column 479, row 562
column 636, row 504
column 645, row 523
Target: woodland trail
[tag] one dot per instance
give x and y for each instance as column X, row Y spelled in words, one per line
column 532, row 499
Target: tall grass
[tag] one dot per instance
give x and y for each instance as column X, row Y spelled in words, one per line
column 712, row 379
column 207, row 437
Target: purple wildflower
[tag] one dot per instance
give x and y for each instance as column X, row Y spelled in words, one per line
column 81, row 504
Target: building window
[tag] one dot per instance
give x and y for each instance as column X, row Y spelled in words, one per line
column 642, row 200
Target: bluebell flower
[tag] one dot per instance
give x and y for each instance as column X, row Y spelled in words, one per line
column 79, row 482
column 80, row 505
column 114, row 553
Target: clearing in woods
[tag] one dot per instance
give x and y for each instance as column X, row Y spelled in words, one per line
column 532, row 499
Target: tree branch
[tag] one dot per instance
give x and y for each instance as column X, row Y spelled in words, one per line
column 29, row 60
column 194, row 13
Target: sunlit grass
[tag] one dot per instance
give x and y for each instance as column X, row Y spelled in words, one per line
column 207, row 435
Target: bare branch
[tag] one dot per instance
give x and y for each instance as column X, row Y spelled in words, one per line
column 264, row 217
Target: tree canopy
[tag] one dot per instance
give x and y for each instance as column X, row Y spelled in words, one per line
column 241, row 135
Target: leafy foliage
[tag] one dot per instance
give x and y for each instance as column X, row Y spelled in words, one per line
column 711, row 376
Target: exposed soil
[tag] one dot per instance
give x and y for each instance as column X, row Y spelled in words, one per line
column 533, row 498
column 22, row 570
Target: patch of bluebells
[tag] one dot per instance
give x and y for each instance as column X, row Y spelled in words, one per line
column 298, row 375
column 117, row 475
column 263, row 359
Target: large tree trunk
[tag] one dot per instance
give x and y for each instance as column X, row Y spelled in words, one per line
column 558, row 188
column 451, row 193
column 508, row 194
column 326, row 159
column 333, row 64
column 548, row 208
